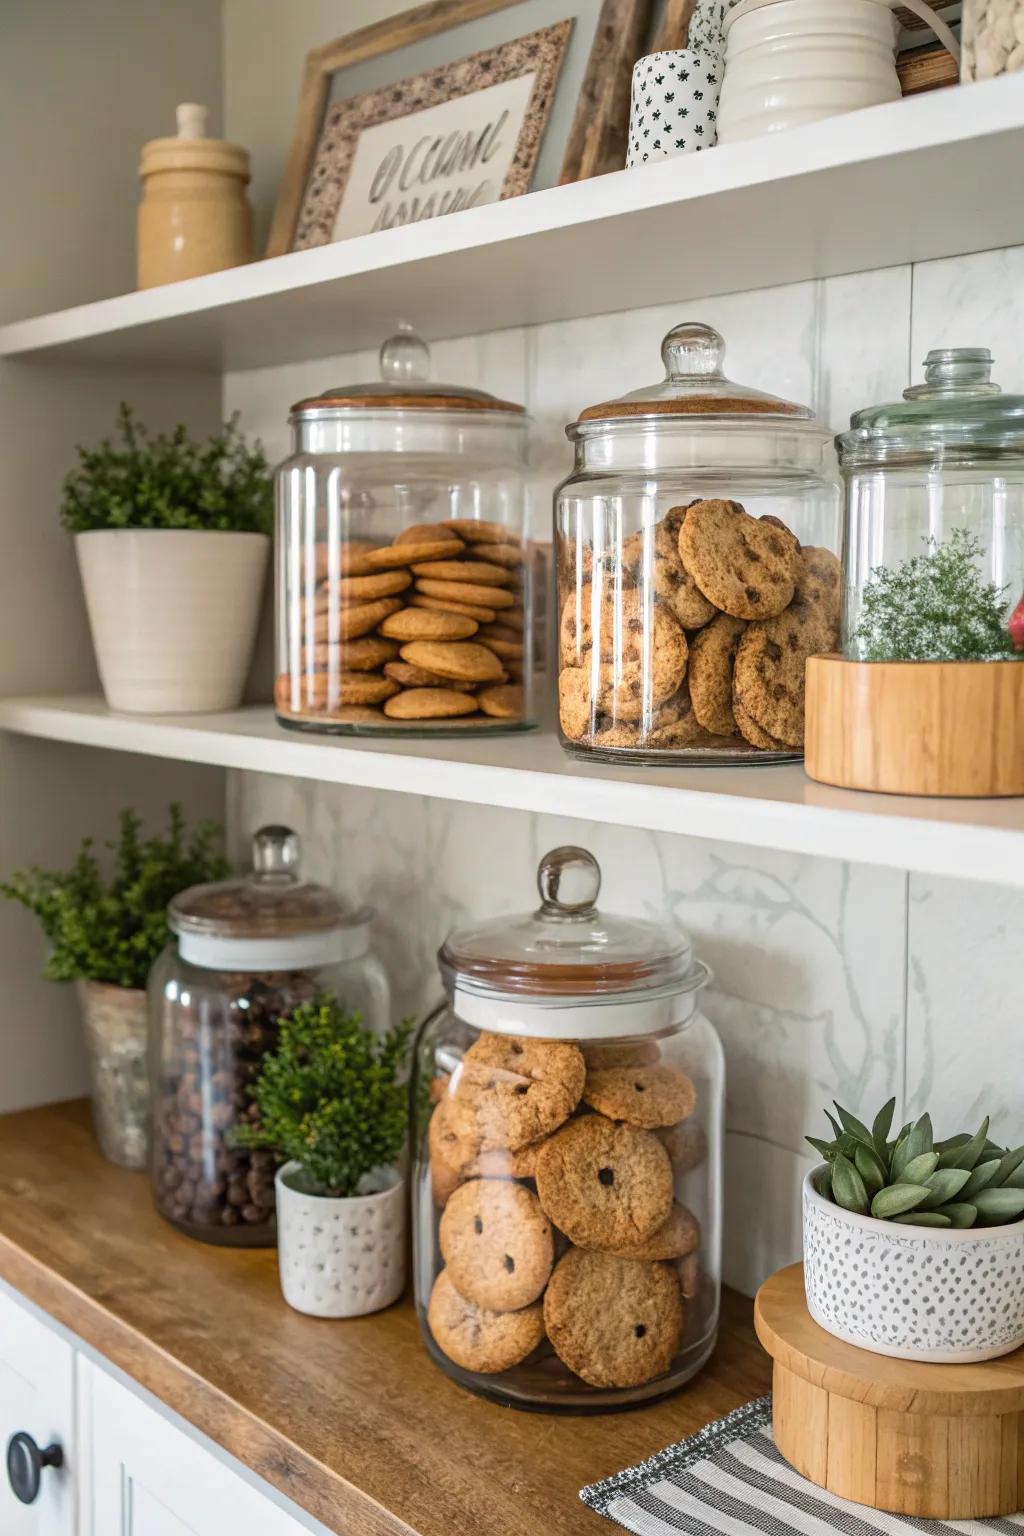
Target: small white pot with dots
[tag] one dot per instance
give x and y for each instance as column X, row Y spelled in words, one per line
column 341, row 1257
column 674, row 105
column 917, row 1293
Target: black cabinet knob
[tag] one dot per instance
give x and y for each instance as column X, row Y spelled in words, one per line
column 25, row 1463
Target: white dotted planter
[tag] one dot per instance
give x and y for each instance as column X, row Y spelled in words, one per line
column 340, row 1258
column 916, row 1293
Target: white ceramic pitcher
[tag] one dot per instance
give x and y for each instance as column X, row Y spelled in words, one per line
column 797, row 61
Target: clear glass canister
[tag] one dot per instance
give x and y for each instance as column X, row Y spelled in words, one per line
column 567, row 1186
column 695, row 548
column 992, row 38
column 934, row 559
column 404, row 563
column 248, row 952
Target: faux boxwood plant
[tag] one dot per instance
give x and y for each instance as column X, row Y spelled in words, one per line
column 914, row 1180
column 112, row 929
column 169, row 480
column 332, row 1096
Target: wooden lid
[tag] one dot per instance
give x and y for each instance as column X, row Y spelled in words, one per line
column 795, row 1341
column 191, row 150
column 403, row 386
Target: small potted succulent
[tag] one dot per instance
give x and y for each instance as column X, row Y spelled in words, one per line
column 333, row 1102
column 104, row 935
column 172, row 538
column 915, row 1247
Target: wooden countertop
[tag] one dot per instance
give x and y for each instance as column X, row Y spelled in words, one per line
column 351, row 1420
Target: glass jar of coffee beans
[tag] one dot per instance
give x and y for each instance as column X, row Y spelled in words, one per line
column 248, row 952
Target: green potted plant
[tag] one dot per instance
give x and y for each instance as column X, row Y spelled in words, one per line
column 104, row 935
column 333, row 1103
column 914, row 1247
column 172, row 537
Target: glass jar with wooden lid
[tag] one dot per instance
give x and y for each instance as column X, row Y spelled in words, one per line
column 404, row 564
column 695, row 549
column 567, row 1185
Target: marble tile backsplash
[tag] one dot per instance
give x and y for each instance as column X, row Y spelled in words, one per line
column 830, row 979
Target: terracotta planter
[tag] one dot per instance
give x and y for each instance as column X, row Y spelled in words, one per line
column 117, row 1037
column 340, row 1257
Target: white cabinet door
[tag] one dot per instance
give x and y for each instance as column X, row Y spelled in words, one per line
column 36, row 1399
column 149, row 1478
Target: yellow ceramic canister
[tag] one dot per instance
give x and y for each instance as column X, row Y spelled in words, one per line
column 194, row 216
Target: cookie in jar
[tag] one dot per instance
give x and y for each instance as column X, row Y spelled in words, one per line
column 567, row 1189
column 405, row 572
column 247, row 952
column 696, row 559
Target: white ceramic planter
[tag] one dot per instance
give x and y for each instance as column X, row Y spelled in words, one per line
column 340, row 1258
column 173, row 614
column 916, row 1293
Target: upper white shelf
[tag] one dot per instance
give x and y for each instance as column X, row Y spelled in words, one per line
column 765, row 807
column 934, row 175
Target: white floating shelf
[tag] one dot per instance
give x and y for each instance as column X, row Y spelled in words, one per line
column 934, row 175
column 767, row 807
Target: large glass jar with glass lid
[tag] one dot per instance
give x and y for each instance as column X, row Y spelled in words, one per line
column 404, row 563
column 696, row 545
column 928, row 694
column 567, row 1191
column 247, row 953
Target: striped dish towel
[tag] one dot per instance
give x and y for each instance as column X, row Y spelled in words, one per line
column 729, row 1480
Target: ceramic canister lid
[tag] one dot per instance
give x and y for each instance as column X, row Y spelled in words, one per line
column 567, row 970
column 405, row 384
column 269, row 919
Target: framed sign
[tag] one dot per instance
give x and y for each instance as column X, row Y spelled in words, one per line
column 455, row 104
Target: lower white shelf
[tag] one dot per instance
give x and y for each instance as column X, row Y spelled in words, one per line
column 765, row 807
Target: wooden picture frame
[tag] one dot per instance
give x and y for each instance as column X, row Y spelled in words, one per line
column 597, row 136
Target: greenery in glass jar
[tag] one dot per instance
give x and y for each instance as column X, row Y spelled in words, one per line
column 169, row 480
column 112, row 930
column 914, row 1180
column 935, row 607
column 333, row 1097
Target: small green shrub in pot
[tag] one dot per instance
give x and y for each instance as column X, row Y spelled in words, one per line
column 891, row 1218
column 172, row 536
column 333, row 1102
column 104, row 933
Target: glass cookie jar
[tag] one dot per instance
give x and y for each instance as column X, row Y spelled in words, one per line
column 567, row 1184
column 927, row 696
column 404, row 568
column 695, row 549
column 248, row 952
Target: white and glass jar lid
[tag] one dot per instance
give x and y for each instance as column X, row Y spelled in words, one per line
column 567, row 970
column 270, row 919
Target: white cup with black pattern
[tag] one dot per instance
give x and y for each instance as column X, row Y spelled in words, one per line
column 674, row 106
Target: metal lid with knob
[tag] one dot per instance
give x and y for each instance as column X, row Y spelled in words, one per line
column 268, row 919
column 567, row 970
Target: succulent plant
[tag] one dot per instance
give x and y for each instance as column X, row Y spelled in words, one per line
column 964, row 1181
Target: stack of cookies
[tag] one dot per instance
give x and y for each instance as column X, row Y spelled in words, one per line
column 554, row 1168
column 427, row 630
column 696, row 635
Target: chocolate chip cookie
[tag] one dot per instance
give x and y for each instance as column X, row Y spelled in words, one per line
column 604, row 1184
column 771, row 662
column 643, row 1096
column 497, row 1244
column 643, row 659
column 477, row 1338
column 744, row 565
column 512, row 1090
column 709, row 673
column 614, row 1322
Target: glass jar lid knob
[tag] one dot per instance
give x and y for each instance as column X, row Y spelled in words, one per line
column 569, row 880
column 276, row 854
column 405, row 357
column 955, row 370
column 693, row 350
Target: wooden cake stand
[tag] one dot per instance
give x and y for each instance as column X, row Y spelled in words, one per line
column 942, row 1442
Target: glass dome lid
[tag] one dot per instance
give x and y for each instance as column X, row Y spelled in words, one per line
column 268, row 918
column 694, row 385
column 405, row 384
column 959, row 411
column 524, row 971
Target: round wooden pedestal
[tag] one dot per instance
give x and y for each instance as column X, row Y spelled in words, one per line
column 943, row 1442
column 916, row 727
